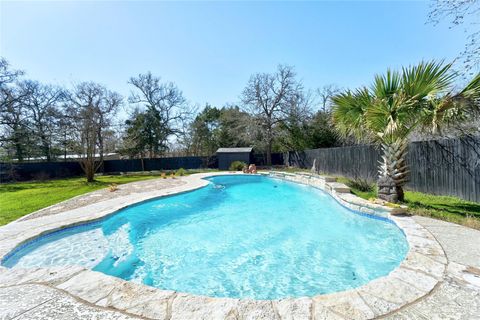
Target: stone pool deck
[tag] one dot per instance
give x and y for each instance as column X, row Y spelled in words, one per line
column 77, row 294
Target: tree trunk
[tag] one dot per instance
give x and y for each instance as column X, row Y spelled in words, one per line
column 88, row 166
column 19, row 148
column 46, row 148
column 90, row 174
column 65, row 146
column 393, row 171
column 269, row 147
column 17, row 141
column 100, row 148
column 400, row 193
column 269, row 154
column 47, row 153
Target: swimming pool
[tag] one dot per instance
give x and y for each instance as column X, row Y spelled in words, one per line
column 241, row 236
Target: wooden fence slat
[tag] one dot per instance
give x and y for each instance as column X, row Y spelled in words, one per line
column 442, row 167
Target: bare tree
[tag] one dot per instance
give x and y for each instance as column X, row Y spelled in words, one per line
column 325, row 95
column 7, row 75
column 43, row 105
column 106, row 111
column 461, row 13
column 14, row 131
column 293, row 133
column 14, row 121
column 162, row 113
column 65, row 135
column 269, row 98
column 90, row 110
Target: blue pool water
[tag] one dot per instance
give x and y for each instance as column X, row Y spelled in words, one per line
column 241, row 236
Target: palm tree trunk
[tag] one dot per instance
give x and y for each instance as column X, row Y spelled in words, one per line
column 393, row 171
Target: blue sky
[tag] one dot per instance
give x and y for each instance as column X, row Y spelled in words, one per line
column 210, row 49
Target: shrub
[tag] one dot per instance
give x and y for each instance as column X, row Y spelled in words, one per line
column 237, row 166
column 181, row 172
column 360, row 184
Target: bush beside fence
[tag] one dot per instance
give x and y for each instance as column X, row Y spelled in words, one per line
column 442, row 167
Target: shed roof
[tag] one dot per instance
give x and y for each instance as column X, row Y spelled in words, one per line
column 234, row 150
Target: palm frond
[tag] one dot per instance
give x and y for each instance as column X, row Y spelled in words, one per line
column 387, row 85
column 349, row 112
column 427, row 79
column 472, row 90
column 453, row 108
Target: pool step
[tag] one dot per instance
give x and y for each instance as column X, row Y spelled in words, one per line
column 337, row 187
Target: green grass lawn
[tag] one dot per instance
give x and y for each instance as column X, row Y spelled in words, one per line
column 445, row 208
column 21, row 198
column 450, row 209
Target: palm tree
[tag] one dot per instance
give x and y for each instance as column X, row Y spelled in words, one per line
column 418, row 97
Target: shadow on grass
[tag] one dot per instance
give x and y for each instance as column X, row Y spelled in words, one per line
column 463, row 209
column 60, row 183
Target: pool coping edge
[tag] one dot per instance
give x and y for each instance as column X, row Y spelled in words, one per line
column 422, row 269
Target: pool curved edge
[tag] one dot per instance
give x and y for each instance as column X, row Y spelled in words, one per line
column 417, row 275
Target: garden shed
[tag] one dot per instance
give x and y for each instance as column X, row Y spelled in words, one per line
column 226, row 156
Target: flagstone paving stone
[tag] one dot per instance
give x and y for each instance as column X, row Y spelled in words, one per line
column 105, row 194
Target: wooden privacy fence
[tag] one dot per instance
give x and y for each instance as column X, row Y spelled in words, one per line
column 442, row 167
column 49, row 170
